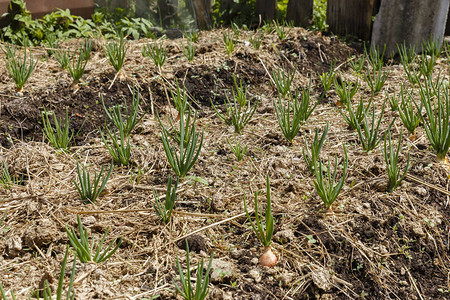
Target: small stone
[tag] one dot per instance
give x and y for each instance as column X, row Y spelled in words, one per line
column 421, row 191
column 227, row 296
column 14, row 245
column 89, row 220
column 417, row 229
column 284, row 236
column 254, row 261
column 286, row 279
column 255, row 274
column 402, row 271
column 236, row 254
column 222, row 271
column 322, row 279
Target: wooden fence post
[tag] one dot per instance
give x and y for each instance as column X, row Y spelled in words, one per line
column 410, row 22
column 202, row 10
column 266, row 8
column 350, row 17
column 300, row 11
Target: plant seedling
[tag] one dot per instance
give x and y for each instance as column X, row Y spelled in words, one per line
column 312, row 156
column 391, row 159
column 407, row 113
column 86, row 190
column 268, row 258
column 354, row 119
column 164, row 212
column 201, row 285
column 239, row 150
column 375, row 80
column 327, row 187
column 283, row 81
column 327, row 78
column 375, row 57
column 6, row 180
column 345, row 90
column 157, row 52
column 230, row 43
column 116, row 51
column 19, row 69
column 357, row 63
column 84, row 249
column 59, row 137
column 120, row 149
column 189, row 51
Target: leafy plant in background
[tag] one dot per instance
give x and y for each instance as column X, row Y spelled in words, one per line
column 157, row 52
column 239, row 111
column 201, row 284
column 320, row 15
column 375, row 80
column 354, row 119
column 120, row 149
column 230, row 42
column 327, row 78
column 407, row 113
column 85, row 188
column 435, row 99
column 116, row 51
column 84, row 249
column 283, row 81
column 369, row 134
column 264, row 236
column 311, row 156
column 164, row 211
column 125, row 126
column 58, row 136
column 183, row 159
column 6, row 180
column 19, row 69
column 345, row 90
column 391, row 159
column 189, row 51
column 326, row 185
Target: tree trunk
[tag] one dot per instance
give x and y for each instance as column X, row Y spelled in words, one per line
column 202, row 10
column 300, row 11
column 266, row 9
column 168, row 10
column 410, row 22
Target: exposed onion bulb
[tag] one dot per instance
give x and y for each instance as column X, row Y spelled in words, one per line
column 268, row 258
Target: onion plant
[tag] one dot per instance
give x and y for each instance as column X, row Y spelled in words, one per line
column 280, row 29
column 120, row 148
column 357, row 63
column 63, row 58
column 432, row 47
column 256, row 40
column 164, row 211
column 327, row 78
column 189, row 51
column 393, row 101
column 77, row 65
column 84, row 249
column 375, row 57
column 58, row 136
column 264, row 236
column 116, row 51
column 230, row 43
column 369, row 134
column 283, row 81
column 86, row 189
column 375, row 80
column 192, row 35
column 311, row 156
column 182, row 159
column 19, row 68
column 435, row 99
column 201, row 284
column 6, row 179
column 238, row 149
column 394, row 174
column 131, row 117
column 354, row 119
column 427, row 63
column 239, row 111
column 326, row 185
column 407, row 53
column 157, row 52
column 407, row 112
column 179, row 99
column 345, row 90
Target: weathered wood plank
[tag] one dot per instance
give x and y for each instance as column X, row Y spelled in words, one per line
column 266, row 8
column 300, row 11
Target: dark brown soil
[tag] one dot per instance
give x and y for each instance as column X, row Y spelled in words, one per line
column 371, row 244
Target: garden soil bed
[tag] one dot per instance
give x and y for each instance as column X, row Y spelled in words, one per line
column 371, row 244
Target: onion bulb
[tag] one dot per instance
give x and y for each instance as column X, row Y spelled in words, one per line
column 268, row 258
